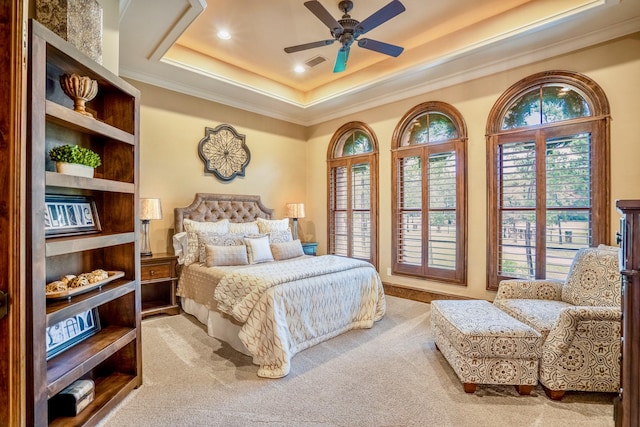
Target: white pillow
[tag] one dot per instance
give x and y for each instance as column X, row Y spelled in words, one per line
column 208, row 238
column 226, row 255
column 286, row 250
column 268, row 225
column 258, row 249
column 180, row 246
column 192, row 227
column 244, row 227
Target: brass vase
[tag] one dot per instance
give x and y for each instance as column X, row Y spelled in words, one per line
column 81, row 89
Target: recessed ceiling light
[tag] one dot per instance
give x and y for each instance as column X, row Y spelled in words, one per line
column 299, row 69
column 224, row 35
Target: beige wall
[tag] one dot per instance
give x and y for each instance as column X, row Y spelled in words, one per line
column 172, row 125
column 288, row 162
column 615, row 66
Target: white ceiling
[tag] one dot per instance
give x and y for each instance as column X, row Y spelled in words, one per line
column 173, row 44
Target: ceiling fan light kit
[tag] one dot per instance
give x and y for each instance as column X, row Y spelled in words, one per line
column 347, row 30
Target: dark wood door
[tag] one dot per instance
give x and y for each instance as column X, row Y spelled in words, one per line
column 12, row 251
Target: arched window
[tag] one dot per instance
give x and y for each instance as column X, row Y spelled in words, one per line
column 548, row 175
column 353, row 193
column 429, row 194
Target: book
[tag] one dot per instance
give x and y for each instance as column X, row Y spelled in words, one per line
column 73, row 399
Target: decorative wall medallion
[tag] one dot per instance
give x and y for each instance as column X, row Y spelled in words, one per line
column 224, row 152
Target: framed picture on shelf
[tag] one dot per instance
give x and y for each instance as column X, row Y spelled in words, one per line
column 70, row 215
column 71, row 331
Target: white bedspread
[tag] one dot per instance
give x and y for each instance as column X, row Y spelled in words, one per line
column 288, row 306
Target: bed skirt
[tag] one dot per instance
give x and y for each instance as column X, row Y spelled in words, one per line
column 219, row 325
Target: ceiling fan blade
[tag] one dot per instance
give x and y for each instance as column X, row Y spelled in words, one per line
column 341, row 60
column 386, row 48
column 380, row 17
column 306, row 46
column 322, row 14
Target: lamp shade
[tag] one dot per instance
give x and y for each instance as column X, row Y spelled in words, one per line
column 150, row 209
column 295, row 210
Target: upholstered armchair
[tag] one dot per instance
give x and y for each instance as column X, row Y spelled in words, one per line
column 579, row 321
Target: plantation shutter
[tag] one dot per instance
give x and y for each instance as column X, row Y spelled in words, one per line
column 569, row 201
column 339, row 235
column 517, row 203
column 545, row 203
column 361, row 211
column 442, row 210
column 409, row 226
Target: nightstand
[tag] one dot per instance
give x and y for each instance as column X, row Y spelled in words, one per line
column 158, row 282
column 309, row 248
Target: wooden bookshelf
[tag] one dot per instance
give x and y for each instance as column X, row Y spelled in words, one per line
column 111, row 355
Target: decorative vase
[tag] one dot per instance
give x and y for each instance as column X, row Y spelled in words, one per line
column 81, row 89
column 74, row 169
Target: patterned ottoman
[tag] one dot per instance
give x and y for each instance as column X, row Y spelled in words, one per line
column 484, row 345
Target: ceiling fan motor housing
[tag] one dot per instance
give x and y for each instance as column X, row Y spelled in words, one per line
column 347, row 35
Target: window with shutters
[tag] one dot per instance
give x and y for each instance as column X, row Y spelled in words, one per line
column 429, row 194
column 548, row 172
column 353, row 193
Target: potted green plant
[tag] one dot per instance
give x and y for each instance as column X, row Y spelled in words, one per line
column 75, row 160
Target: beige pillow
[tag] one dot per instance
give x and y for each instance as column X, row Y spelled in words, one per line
column 192, row 228
column 216, row 239
column 258, row 249
column 274, row 236
column 226, row 255
column 268, row 225
column 244, row 227
column 280, row 236
column 287, row 250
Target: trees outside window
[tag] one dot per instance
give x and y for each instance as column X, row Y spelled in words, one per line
column 429, row 194
column 548, row 175
column 353, row 193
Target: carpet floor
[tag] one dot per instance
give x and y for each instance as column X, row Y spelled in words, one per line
column 389, row 375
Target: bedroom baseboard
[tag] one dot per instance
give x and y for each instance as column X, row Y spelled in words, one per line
column 416, row 294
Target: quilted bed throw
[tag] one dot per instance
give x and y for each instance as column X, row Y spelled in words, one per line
column 286, row 307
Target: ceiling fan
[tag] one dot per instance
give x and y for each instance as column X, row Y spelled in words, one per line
column 347, row 30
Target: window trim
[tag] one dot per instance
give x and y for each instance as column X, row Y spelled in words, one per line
column 459, row 145
column 348, row 161
column 600, row 157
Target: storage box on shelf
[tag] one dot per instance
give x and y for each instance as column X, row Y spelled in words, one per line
column 111, row 357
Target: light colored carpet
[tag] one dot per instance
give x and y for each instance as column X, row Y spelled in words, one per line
column 390, row 375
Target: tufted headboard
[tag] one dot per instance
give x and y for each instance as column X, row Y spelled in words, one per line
column 213, row 207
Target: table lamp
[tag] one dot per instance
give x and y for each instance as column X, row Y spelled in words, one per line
column 149, row 209
column 295, row 211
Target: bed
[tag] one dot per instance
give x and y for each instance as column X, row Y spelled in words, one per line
column 267, row 309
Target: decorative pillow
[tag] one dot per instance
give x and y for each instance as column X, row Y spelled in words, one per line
column 286, row 250
column 268, row 225
column 180, row 246
column 216, row 239
column 258, row 249
column 192, row 227
column 244, row 227
column 226, row 255
column 280, row 236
